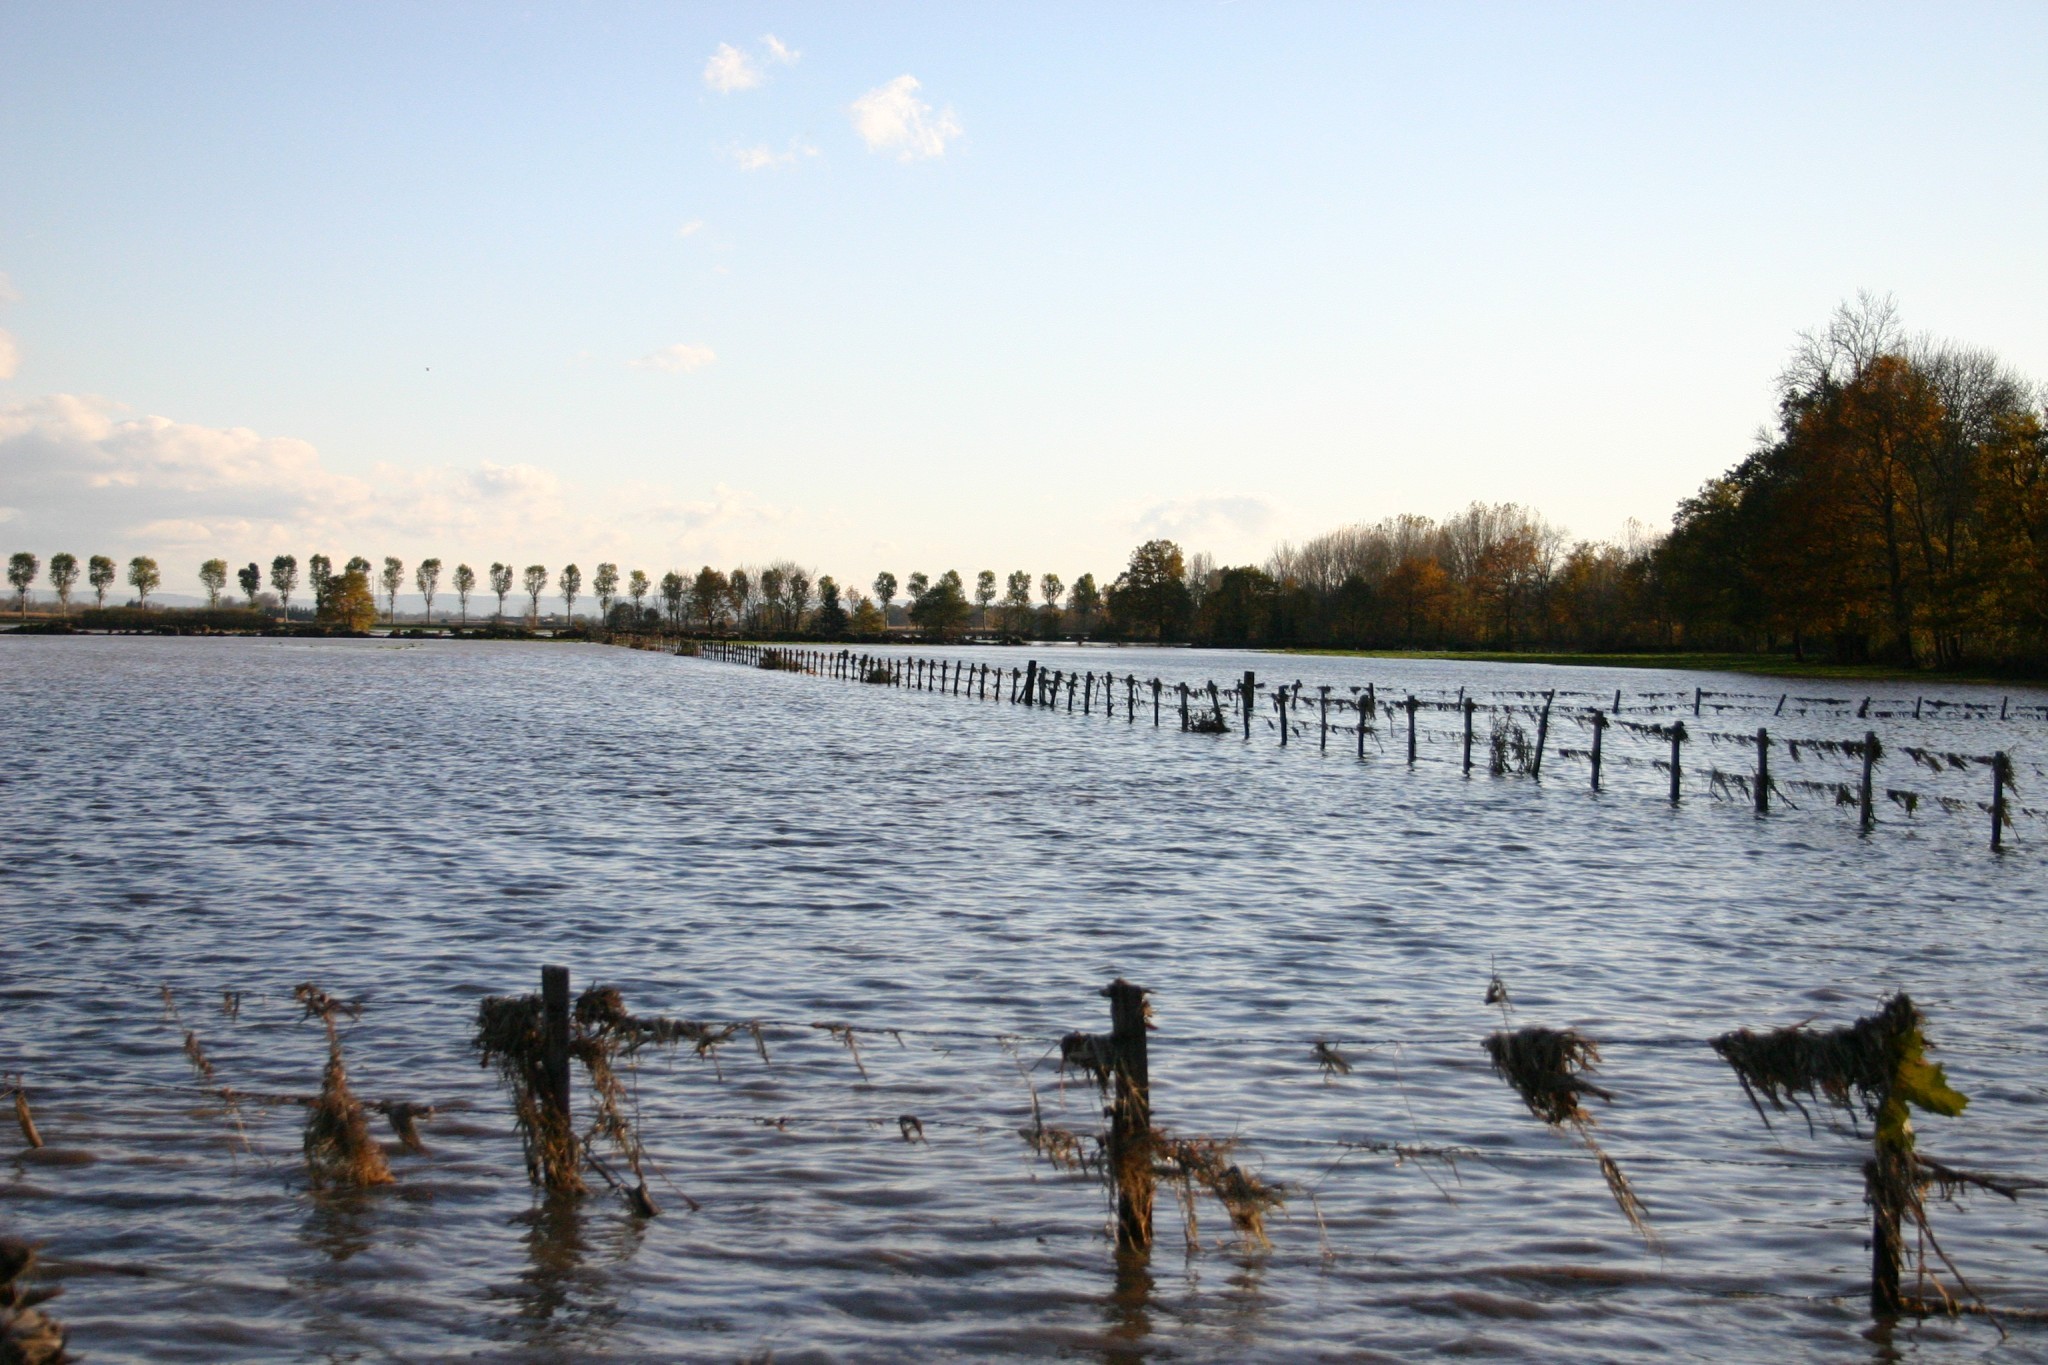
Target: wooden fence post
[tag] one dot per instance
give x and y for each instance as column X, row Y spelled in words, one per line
column 1030, row 681
column 1696, row 695
column 1866, row 814
column 1358, row 703
column 1763, row 771
column 1130, row 1116
column 554, row 1005
column 1411, row 704
column 1599, row 729
column 1468, row 708
column 1677, row 738
column 1250, row 689
column 1156, row 688
column 1324, row 746
column 2001, row 778
column 1542, row 735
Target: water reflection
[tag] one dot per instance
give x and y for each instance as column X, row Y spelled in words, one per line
column 340, row 1224
column 1130, row 1307
column 562, row 1299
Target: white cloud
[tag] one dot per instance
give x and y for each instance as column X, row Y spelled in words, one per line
column 10, row 356
column 79, row 468
column 8, row 293
column 891, row 118
column 691, row 228
column 83, row 475
column 681, row 358
column 780, row 52
column 766, row 158
column 731, row 69
column 1229, row 524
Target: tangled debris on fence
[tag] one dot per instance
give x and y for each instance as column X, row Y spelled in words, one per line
column 24, row 1117
column 1509, row 749
column 340, row 1153
column 1204, row 1163
column 28, row 1336
column 1875, row 1069
column 1547, row 1068
column 510, row 1037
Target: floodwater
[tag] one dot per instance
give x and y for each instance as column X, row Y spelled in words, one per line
column 420, row 825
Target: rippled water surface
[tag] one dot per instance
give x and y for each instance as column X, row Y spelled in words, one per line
column 423, row 824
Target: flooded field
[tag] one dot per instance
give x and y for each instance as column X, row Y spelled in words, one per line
column 420, row 825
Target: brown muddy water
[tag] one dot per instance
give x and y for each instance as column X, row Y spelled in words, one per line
column 420, row 825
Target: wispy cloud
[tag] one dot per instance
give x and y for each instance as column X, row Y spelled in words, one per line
column 891, row 118
column 681, row 358
column 691, row 228
column 762, row 157
column 731, row 69
column 8, row 293
column 10, row 356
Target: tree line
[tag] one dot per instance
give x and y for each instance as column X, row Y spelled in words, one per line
column 1898, row 509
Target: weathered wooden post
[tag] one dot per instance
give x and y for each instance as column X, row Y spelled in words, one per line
column 1250, row 690
column 1863, row 711
column 1696, row 695
column 1088, row 699
column 1130, row 1115
column 1617, row 701
column 1155, row 703
column 1763, row 771
column 1916, row 707
column 1599, row 729
column 1358, row 703
column 2003, row 702
column 2001, row 778
column 1782, row 696
column 1468, row 708
column 1280, row 700
column 1131, row 700
column 554, row 1006
column 1866, row 813
column 1183, row 687
column 1030, row 681
column 1677, row 738
column 1411, row 704
column 1542, row 736
column 1325, row 745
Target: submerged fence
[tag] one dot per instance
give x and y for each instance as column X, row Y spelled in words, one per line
column 1518, row 735
column 1873, row 1069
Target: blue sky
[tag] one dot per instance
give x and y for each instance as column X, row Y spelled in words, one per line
column 528, row 285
